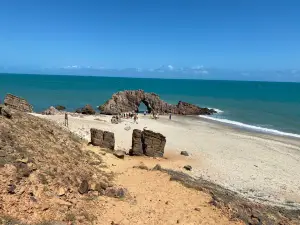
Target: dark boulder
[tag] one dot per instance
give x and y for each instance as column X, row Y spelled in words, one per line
column 119, row 154
column 96, row 137
column 108, row 140
column 137, row 146
column 153, row 143
column 60, row 107
column 87, row 110
column 185, row 153
column 11, row 189
column 116, row 192
column 147, row 143
column 157, row 167
column 188, row 167
column 185, row 108
column 103, row 139
column 84, row 187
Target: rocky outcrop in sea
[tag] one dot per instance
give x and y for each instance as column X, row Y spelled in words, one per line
column 130, row 100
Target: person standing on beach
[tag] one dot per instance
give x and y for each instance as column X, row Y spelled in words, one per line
column 66, row 120
column 170, row 116
column 136, row 118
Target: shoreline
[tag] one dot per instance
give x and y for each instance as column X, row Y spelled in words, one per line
column 239, row 160
column 251, row 128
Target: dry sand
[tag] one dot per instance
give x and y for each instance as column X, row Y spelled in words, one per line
column 154, row 199
column 259, row 166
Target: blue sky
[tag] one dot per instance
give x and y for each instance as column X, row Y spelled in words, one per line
column 221, row 34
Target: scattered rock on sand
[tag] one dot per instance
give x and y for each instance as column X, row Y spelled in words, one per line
column 119, row 154
column 127, row 128
column 185, row 153
column 61, row 191
column 142, row 166
column 103, row 185
column 116, row 192
column 157, row 167
column 84, row 187
column 11, row 189
column 188, row 167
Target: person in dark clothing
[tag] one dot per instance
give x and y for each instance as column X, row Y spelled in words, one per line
column 66, row 120
column 170, row 116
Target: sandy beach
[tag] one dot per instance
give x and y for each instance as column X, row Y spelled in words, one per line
column 259, row 166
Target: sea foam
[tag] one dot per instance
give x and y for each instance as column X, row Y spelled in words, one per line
column 251, row 127
column 218, row 110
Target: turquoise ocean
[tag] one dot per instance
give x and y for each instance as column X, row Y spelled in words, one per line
column 261, row 106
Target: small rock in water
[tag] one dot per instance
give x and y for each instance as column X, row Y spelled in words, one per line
column 185, row 153
column 187, row 167
column 120, row 154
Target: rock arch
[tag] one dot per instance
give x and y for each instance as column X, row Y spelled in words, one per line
column 147, row 104
column 130, row 100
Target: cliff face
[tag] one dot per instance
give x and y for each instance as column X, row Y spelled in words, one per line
column 17, row 103
column 128, row 101
column 42, row 167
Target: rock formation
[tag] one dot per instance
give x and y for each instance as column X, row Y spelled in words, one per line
column 103, row 139
column 137, row 145
column 17, row 103
column 128, row 101
column 108, row 140
column 60, row 107
column 115, row 120
column 51, row 111
column 87, row 109
column 5, row 111
column 147, row 143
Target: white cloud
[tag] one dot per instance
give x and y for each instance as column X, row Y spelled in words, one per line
column 198, row 67
column 72, row 67
column 170, row 67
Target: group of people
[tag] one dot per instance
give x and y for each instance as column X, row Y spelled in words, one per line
column 130, row 115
